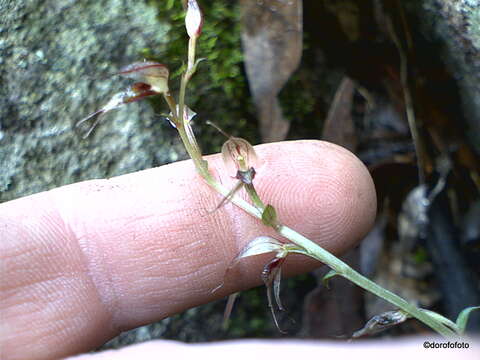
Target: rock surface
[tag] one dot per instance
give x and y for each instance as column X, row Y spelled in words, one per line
column 455, row 24
column 54, row 56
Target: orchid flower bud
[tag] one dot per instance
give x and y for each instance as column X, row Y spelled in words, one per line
column 193, row 19
column 148, row 72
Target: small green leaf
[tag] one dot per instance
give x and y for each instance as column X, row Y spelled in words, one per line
column 441, row 319
column 463, row 318
column 198, row 61
column 269, row 216
column 327, row 277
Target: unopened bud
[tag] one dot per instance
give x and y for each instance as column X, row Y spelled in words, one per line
column 193, row 19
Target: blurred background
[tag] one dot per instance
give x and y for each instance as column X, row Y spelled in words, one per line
column 396, row 82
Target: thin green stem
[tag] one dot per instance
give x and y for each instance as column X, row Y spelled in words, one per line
column 192, row 44
column 252, row 193
column 256, row 210
column 329, row 259
column 187, row 75
column 193, row 151
column 342, row 268
column 346, row 271
column 312, row 248
column 172, row 105
column 181, row 98
column 315, row 250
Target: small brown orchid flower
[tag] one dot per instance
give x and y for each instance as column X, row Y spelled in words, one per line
column 152, row 79
column 239, row 157
column 272, row 270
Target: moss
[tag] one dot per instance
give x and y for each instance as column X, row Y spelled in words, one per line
column 219, row 90
column 420, row 256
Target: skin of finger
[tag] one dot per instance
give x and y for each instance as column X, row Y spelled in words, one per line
column 292, row 349
column 88, row 260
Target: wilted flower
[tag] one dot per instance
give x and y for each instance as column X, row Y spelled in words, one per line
column 382, row 322
column 272, row 271
column 153, row 80
column 132, row 94
column 193, row 19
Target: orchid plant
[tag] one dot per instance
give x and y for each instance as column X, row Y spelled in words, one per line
column 152, row 79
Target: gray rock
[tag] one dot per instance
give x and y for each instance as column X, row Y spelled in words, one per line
column 54, row 56
column 456, row 25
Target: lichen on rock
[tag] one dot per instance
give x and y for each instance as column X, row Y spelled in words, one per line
column 55, row 58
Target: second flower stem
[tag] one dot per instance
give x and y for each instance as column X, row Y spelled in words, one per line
column 318, row 253
column 312, row 249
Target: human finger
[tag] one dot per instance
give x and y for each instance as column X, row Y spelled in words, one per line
column 89, row 260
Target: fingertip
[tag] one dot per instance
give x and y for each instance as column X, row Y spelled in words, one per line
column 320, row 189
column 146, row 246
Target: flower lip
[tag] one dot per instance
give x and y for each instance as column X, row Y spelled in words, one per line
column 238, row 154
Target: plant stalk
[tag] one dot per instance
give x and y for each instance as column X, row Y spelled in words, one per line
column 256, row 210
column 317, row 252
column 343, row 269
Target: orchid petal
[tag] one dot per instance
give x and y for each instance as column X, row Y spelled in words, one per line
column 272, row 274
column 276, row 288
column 115, row 102
column 229, row 196
column 463, row 317
column 238, row 154
column 229, row 308
column 148, row 72
column 260, row 245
